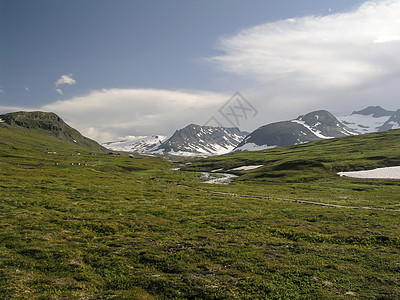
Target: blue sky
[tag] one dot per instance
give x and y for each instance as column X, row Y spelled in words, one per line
column 117, row 68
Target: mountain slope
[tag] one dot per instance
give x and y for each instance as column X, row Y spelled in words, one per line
column 51, row 125
column 367, row 120
column 141, row 144
column 310, row 127
column 201, row 140
column 392, row 123
column 276, row 134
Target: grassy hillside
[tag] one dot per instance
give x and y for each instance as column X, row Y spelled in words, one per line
column 313, row 160
column 115, row 227
column 48, row 124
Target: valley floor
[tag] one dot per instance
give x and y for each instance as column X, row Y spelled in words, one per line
column 123, row 228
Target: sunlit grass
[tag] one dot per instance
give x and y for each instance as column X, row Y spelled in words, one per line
column 122, row 228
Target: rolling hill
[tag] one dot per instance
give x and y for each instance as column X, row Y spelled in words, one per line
column 48, row 124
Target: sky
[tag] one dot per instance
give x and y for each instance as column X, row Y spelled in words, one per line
column 120, row 68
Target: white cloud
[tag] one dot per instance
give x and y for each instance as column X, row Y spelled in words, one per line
column 65, row 79
column 27, row 89
column 60, row 91
column 108, row 114
column 387, row 38
column 335, row 51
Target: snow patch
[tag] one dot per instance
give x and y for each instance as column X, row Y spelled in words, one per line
column 246, row 168
column 347, row 132
column 394, row 124
column 363, row 123
column 138, row 144
column 225, row 179
column 313, row 130
column 253, row 147
column 2, row 121
column 380, row 173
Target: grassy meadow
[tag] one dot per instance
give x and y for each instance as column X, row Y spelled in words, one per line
column 80, row 224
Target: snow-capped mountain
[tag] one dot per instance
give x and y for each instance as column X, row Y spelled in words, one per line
column 392, row 123
column 196, row 140
column 310, row 127
column 370, row 119
column 139, row 144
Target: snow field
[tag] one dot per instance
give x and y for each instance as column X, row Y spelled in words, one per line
column 380, row 173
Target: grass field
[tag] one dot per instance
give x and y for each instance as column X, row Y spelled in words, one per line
column 115, row 227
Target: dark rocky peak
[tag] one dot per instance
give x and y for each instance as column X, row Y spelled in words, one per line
column 375, row 111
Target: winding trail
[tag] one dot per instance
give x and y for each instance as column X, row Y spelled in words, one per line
column 273, row 198
column 291, row 200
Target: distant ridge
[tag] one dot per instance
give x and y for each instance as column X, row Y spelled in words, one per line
column 374, row 111
column 313, row 126
column 371, row 119
column 49, row 124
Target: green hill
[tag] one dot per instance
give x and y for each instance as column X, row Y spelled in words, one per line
column 48, row 124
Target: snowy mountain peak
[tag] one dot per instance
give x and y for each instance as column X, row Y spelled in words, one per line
column 324, row 125
column 194, row 140
column 367, row 120
column 392, row 123
column 313, row 126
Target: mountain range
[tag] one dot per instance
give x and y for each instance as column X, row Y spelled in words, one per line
column 196, row 140
column 193, row 140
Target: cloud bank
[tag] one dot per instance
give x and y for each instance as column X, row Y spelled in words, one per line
column 107, row 114
column 345, row 50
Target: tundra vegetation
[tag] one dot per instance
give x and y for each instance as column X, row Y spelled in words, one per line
column 117, row 227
